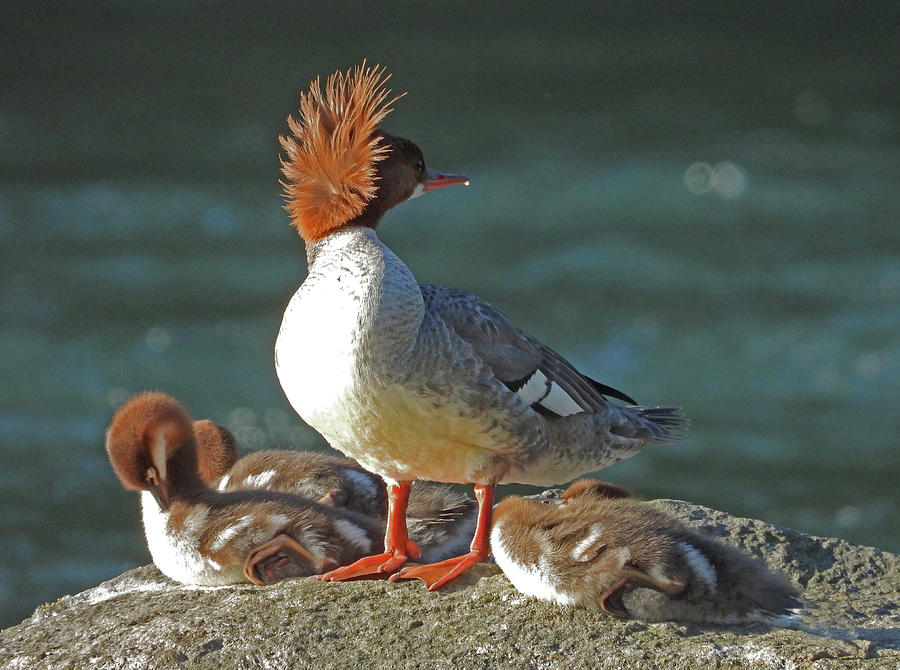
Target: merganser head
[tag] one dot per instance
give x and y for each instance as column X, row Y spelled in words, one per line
column 341, row 167
column 216, row 449
column 142, row 439
column 596, row 489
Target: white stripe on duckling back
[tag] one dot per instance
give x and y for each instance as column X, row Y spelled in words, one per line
column 579, row 552
column 700, row 564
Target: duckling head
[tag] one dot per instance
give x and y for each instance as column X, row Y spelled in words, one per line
column 142, row 441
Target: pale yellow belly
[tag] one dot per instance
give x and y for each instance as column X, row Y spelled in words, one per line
column 402, row 436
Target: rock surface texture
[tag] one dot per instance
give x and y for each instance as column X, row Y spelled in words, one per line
column 142, row 620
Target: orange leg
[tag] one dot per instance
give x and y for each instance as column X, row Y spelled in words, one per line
column 438, row 574
column 397, row 545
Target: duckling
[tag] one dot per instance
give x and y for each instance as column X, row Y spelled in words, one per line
column 328, row 480
column 197, row 535
column 599, row 547
column 440, row 519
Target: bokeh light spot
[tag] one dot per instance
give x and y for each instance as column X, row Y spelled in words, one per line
column 728, row 180
column 698, row 178
column 158, row 339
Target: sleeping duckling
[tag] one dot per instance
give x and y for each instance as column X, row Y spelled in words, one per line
column 599, row 547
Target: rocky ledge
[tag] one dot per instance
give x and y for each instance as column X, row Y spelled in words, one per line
column 142, row 620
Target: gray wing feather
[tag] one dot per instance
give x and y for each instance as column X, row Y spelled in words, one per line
column 512, row 355
column 492, row 336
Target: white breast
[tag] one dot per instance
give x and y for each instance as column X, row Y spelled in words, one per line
column 176, row 553
column 540, row 581
column 315, row 352
column 356, row 312
column 352, row 363
column 344, row 348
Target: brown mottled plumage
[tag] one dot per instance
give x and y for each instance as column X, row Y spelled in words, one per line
column 323, row 478
column 601, row 548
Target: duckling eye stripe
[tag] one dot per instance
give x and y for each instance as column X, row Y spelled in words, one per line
column 158, row 455
column 699, row 563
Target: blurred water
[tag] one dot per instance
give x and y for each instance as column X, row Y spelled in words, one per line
column 698, row 209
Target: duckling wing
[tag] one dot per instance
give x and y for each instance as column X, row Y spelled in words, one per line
column 542, row 378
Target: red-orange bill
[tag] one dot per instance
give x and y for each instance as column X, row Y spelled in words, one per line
column 441, row 179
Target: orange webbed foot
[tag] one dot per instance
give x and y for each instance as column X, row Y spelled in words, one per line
column 379, row 565
column 435, row 575
column 398, row 548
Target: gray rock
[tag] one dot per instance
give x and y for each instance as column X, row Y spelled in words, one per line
column 142, row 620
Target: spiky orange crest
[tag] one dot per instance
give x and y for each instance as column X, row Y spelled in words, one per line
column 333, row 148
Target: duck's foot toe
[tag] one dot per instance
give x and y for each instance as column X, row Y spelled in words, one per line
column 379, row 565
column 435, row 575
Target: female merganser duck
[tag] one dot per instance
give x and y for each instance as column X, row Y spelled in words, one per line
column 440, row 520
column 198, row 535
column 417, row 381
column 599, row 547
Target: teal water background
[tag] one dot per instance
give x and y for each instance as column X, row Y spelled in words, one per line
column 697, row 206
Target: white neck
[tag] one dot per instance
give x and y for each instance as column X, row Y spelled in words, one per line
column 354, row 317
